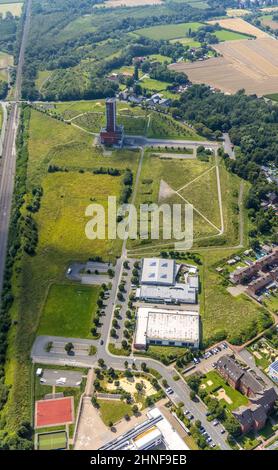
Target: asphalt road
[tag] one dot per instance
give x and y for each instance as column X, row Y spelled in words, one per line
column 8, row 161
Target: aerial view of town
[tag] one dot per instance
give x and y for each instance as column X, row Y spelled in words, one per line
column 139, row 228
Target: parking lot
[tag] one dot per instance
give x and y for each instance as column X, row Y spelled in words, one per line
column 206, row 363
column 65, row 378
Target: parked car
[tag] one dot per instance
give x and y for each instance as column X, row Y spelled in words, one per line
column 69, row 271
column 101, row 342
column 212, row 444
column 209, row 439
column 196, row 360
column 191, row 417
column 42, row 381
column 215, row 422
column 214, row 365
column 169, row 391
column 186, row 412
column 223, row 431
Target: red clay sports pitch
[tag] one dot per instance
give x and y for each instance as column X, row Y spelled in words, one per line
column 54, row 412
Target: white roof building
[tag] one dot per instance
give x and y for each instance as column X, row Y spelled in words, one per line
column 177, row 294
column 166, row 327
column 159, row 271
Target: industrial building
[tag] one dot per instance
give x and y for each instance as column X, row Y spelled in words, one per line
column 156, row 271
column 156, row 433
column 158, row 283
column 111, row 134
column 166, row 327
column 177, row 294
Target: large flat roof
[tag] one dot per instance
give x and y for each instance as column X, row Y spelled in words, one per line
column 159, row 271
column 168, row 325
column 180, row 292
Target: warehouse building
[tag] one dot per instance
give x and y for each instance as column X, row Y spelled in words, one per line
column 161, row 272
column 166, row 327
column 177, row 294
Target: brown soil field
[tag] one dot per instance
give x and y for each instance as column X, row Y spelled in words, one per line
column 272, row 24
column 248, row 64
column 240, row 26
column 131, row 3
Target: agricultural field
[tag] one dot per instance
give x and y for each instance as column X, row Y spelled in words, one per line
column 69, row 311
column 267, row 20
column 14, row 8
column 170, row 31
column 225, row 35
column 240, row 26
column 248, row 64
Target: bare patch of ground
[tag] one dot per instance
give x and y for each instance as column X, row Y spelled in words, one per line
column 236, row 290
column 165, row 191
column 222, row 395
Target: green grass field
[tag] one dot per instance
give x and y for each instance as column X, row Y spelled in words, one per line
column 170, row 31
column 234, row 398
column 187, row 42
column 113, row 410
column 69, row 311
column 83, row 23
column 225, row 35
column 273, row 96
column 52, row 441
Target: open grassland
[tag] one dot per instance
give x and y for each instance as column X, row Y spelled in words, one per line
column 170, row 31
column 198, row 180
column 220, row 311
column 240, row 26
column 112, row 411
column 84, row 24
column 248, row 64
column 69, row 311
column 15, row 8
column 61, row 225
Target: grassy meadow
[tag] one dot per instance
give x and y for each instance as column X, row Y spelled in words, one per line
column 69, row 311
